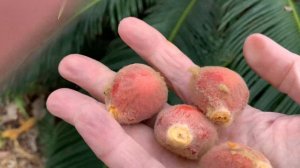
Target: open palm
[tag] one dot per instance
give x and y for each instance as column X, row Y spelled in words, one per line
column 274, row 134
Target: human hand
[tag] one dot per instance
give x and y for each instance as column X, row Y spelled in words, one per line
column 274, row 134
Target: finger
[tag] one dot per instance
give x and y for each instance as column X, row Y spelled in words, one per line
column 144, row 135
column 101, row 132
column 156, row 50
column 274, row 63
column 89, row 74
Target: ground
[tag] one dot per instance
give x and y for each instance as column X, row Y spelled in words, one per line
column 19, row 147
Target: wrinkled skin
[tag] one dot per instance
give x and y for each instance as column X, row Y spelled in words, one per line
column 276, row 135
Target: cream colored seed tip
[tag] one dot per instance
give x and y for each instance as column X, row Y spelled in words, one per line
column 223, row 88
column 195, row 70
column 179, row 135
column 220, row 116
column 232, row 145
column 113, row 111
column 257, row 161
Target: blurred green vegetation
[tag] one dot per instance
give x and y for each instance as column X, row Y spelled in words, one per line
column 210, row 32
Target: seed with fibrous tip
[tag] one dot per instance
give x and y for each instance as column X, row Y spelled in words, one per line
column 185, row 131
column 233, row 155
column 219, row 92
column 136, row 94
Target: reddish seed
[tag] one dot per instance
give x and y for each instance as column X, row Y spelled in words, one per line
column 137, row 93
column 233, row 155
column 185, row 131
column 219, row 92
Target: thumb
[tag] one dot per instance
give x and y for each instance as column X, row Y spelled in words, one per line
column 274, row 63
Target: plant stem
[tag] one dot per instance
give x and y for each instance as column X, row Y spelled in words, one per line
column 295, row 14
column 181, row 20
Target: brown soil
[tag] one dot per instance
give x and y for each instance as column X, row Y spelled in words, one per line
column 24, row 151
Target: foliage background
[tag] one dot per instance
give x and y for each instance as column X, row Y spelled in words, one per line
column 210, row 32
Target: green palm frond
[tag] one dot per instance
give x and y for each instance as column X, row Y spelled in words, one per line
column 213, row 33
column 294, row 9
column 272, row 19
column 186, row 23
column 118, row 9
column 86, row 26
column 63, row 146
column 210, row 32
column 191, row 25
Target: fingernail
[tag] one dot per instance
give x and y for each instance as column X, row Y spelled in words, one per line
column 138, row 34
column 253, row 46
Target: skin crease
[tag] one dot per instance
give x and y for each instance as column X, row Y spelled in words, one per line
column 274, row 134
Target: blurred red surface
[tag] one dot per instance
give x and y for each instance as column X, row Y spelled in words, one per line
column 24, row 26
